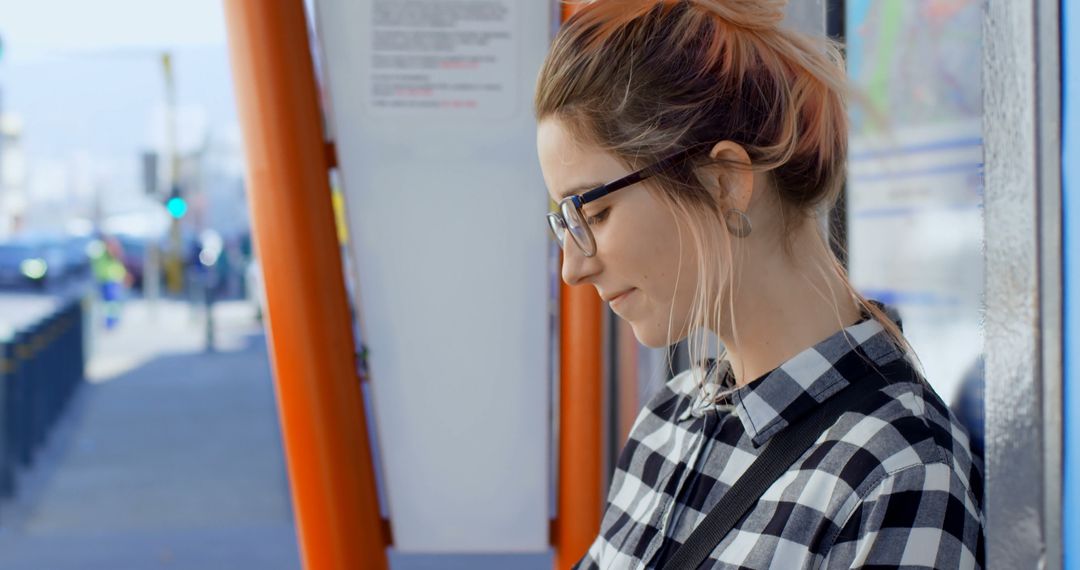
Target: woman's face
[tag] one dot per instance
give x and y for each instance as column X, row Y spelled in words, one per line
column 636, row 268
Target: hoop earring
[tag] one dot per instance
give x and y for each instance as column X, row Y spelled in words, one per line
column 739, row 224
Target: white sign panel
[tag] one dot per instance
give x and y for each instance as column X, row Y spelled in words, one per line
column 434, row 57
column 431, row 112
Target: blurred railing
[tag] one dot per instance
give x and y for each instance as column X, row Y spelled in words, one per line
column 41, row 365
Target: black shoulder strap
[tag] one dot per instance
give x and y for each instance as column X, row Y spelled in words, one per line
column 779, row 454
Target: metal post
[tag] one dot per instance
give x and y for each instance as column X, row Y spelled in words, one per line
column 318, row 392
column 807, row 16
column 1021, row 78
column 208, row 297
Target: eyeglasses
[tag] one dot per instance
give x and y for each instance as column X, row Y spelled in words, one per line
column 570, row 218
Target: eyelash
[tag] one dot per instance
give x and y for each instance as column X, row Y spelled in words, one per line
column 599, row 217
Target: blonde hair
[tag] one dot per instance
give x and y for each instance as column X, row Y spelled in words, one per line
column 643, row 78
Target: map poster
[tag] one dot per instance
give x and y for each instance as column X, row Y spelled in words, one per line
column 915, row 184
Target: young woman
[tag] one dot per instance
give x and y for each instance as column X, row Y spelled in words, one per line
column 693, row 147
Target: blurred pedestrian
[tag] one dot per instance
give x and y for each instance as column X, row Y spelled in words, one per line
column 111, row 277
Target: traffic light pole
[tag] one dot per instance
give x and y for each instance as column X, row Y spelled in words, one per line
column 174, row 263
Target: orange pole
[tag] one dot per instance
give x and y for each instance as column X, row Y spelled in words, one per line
column 318, row 393
column 580, row 499
column 580, row 411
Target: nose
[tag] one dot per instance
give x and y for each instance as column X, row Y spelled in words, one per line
column 576, row 268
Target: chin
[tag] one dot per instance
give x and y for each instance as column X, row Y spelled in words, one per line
column 654, row 337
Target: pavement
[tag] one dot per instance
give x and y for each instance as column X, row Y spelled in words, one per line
column 170, row 457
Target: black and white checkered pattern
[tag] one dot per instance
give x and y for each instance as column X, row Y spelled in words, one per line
column 891, row 486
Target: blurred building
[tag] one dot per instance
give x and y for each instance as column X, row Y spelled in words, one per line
column 13, row 174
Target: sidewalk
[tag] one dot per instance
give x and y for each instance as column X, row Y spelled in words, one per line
column 168, row 458
column 171, row 458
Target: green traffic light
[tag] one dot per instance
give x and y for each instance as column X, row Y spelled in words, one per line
column 177, row 207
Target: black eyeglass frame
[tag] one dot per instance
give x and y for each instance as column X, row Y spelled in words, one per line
column 557, row 220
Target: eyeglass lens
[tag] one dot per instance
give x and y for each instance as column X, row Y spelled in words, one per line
column 578, row 229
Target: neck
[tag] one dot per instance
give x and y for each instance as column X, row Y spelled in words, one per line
column 784, row 307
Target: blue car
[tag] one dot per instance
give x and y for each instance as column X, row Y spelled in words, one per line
column 24, row 266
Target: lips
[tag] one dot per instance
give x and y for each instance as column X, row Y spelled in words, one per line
column 619, row 297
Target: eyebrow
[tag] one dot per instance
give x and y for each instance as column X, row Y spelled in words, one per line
column 580, row 189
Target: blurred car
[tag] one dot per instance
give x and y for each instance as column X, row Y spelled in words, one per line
column 77, row 257
column 53, row 252
column 25, row 264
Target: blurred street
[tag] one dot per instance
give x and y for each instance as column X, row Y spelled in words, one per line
column 169, row 457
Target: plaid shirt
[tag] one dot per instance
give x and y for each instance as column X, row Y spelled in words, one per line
column 893, row 488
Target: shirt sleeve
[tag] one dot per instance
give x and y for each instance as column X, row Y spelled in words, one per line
column 923, row 516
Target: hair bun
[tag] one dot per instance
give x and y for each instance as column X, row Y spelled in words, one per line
column 749, row 14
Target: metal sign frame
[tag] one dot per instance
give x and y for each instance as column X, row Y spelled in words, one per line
column 1021, row 122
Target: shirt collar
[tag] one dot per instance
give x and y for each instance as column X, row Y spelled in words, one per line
column 793, row 389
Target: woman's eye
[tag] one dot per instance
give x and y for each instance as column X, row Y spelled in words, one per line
column 599, row 217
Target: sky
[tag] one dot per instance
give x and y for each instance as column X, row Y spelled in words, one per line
column 86, row 82
column 44, row 28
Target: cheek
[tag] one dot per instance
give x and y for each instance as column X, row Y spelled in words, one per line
column 671, row 272
column 642, row 248
column 678, row 296
column 668, row 276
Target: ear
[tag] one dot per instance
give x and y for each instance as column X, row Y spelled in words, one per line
column 729, row 178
